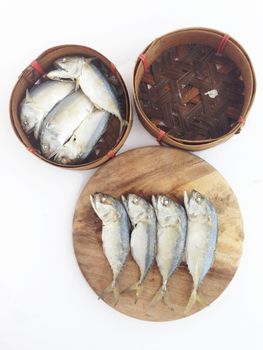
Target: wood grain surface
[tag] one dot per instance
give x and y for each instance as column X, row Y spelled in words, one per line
column 146, row 171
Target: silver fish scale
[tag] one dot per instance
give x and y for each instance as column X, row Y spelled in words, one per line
column 175, row 246
column 201, row 237
column 211, row 246
column 115, row 238
column 143, row 236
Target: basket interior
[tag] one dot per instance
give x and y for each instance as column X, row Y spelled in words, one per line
column 190, row 91
column 111, row 137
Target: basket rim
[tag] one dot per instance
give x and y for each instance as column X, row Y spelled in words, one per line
column 169, row 139
column 128, row 112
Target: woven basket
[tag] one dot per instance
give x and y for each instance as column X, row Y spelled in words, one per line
column 193, row 88
column 111, row 140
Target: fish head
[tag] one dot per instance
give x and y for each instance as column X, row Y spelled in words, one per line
column 67, row 67
column 105, row 206
column 49, row 145
column 137, row 207
column 28, row 117
column 69, row 153
column 196, row 204
column 167, row 210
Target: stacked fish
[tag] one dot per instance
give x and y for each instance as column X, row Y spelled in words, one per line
column 69, row 113
column 162, row 230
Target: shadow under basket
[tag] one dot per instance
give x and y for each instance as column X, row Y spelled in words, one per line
column 111, row 141
column 193, row 88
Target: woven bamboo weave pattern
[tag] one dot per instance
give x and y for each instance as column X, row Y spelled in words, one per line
column 192, row 93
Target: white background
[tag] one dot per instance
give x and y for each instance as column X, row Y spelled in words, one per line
column 45, row 303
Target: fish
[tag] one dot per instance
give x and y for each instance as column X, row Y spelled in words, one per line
column 201, row 241
column 61, row 122
column 171, row 237
column 91, row 81
column 39, row 101
column 83, row 139
column 143, row 237
column 115, row 236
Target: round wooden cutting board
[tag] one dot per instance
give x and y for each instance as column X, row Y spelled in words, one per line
column 147, row 171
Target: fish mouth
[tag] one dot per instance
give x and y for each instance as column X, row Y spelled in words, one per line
column 103, row 198
column 133, row 198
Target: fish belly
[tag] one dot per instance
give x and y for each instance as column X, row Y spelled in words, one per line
column 140, row 247
column 199, row 256
column 169, row 252
column 115, row 247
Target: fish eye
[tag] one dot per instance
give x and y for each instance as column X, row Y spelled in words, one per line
column 165, row 201
column 135, row 200
column 45, row 147
column 25, row 122
column 64, row 160
column 198, row 199
column 64, row 59
column 103, row 199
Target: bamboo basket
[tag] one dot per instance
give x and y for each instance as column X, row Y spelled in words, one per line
column 193, row 88
column 36, row 70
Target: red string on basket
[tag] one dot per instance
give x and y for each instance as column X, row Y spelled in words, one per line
column 37, row 67
column 222, row 44
column 160, row 135
column 113, row 68
column 31, row 149
column 144, row 61
column 242, row 120
column 111, row 154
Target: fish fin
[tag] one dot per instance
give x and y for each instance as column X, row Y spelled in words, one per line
column 162, row 293
column 28, row 97
column 167, row 300
column 105, row 291
column 90, row 59
column 157, row 297
column 137, row 287
column 116, row 293
column 195, row 297
column 201, row 299
column 123, row 123
column 59, row 74
column 111, row 289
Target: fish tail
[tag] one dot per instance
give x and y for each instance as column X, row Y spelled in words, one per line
column 137, row 287
column 167, row 300
column 195, row 297
column 113, row 287
column 116, row 293
column 162, row 294
column 123, row 123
